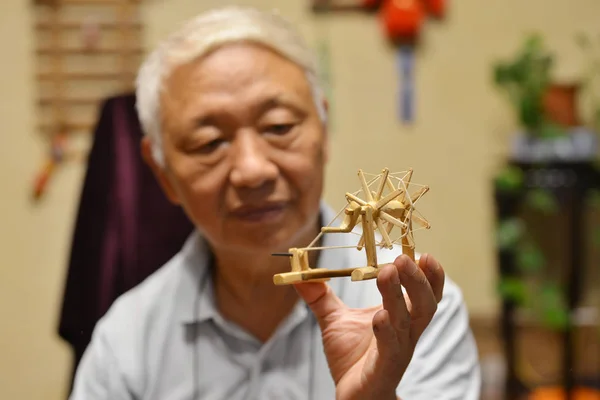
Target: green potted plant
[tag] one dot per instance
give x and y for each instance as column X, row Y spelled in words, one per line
column 526, row 81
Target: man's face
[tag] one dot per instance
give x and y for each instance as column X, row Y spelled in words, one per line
column 244, row 148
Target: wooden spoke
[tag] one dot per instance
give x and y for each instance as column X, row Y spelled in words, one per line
column 364, row 185
column 352, row 197
column 406, row 179
column 386, row 238
column 421, row 221
column 387, row 217
column 384, row 178
column 390, row 184
column 418, row 194
column 388, row 198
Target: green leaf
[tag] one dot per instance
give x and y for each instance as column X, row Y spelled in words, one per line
column 502, row 74
column 530, row 258
column 550, row 130
column 542, row 200
column 534, row 42
column 556, row 318
column 509, row 232
column 510, row 179
column 513, row 289
column 554, row 311
column 530, row 111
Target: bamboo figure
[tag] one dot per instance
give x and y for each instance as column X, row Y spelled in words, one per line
column 377, row 212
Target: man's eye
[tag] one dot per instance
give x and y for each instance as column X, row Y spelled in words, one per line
column 279, row 129
column 211, row 146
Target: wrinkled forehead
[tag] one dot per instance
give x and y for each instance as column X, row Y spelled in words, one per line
column 236, row 77
column 236, row 68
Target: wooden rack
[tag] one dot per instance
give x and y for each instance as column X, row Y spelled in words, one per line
column 86, row 51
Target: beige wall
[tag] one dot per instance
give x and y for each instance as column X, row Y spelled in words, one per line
column 454, row 147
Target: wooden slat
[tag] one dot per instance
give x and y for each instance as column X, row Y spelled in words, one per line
column 83, row 51
column 71, row 102
column 70, row 126
column 123, row 13
column 127, row 48
column 85, row 76
column 84, row 2
column 98, row 2
column 57, row 67
column 78, row 25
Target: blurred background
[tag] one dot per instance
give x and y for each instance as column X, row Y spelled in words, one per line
column 494, row 104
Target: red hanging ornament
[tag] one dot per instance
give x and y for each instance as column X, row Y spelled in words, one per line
column 402, row 19
column 371, row 4
column 436, row 8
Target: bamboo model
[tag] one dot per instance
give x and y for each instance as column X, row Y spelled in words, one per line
column 378, row 212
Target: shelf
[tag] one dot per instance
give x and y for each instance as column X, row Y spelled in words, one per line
column 90, row 52
column 42, row 26
column 71, row 102
column 84, row 76
column 86, row 2
column 70, row 126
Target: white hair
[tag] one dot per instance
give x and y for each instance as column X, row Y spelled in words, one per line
column 205, row 33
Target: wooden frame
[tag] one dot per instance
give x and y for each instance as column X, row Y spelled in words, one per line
column 386, row 206
column 93, row 72
column 55, row 27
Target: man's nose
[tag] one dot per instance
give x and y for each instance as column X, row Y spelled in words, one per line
column 251, row 166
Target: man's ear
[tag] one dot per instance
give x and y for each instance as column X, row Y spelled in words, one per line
column 159, row 171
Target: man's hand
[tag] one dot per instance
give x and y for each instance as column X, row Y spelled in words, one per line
column 368, row 350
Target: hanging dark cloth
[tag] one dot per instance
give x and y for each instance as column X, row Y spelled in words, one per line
column 125, row 227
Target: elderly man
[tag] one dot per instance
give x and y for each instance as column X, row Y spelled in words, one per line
column 235, row 127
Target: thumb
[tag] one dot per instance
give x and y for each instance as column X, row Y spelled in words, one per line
column 322, row 301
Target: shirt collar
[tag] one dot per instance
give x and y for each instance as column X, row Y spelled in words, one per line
column 194, row 300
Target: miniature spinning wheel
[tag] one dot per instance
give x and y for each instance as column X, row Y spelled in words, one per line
column 382, row 214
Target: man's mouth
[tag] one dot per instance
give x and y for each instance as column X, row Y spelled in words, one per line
column 260, row 213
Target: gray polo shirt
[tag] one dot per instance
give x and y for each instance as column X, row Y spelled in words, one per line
column 165, row 340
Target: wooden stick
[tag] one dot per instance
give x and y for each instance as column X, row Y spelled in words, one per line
column 57, row 75
column 123, row 18
column 93, row 2
column 364, row 273
column 382, row 182
column 388, row 198
column 406, row 245
column 70, row 126
column 365, row 186
column 77, row 25
column 82, row 76
column 353, row 197
column 86, row 52
column 83, row 101
column 319, row 274
column 369, row 236
column 384, row 234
